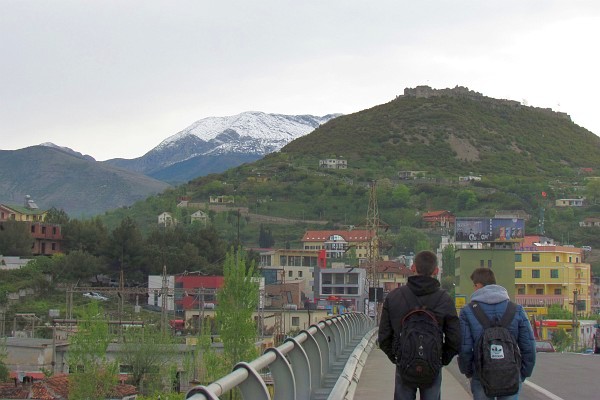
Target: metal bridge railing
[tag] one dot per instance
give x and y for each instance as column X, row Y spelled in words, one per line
column 302, row 367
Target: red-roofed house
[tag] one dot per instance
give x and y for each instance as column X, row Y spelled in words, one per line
column 441, row 218
column 392, row 274
column 337, row 243
column 196, row 291
column 57, row 388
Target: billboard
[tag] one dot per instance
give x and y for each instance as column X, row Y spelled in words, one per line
column 489, row 229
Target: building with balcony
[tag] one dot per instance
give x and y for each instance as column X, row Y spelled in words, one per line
column 551, row 274
column 280, row 266
column 344, row 284
column 342, row 243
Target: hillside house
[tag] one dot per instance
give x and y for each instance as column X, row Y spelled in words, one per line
column 443, row 218
column 7, row 263
column 333, row 163
column 518, row 214
column 166, row 219
column 47, row 238
column 199, row 216
column 405, row 175
column 222, row 199
column 590, row 222
column 569, row 202
column 465, row 180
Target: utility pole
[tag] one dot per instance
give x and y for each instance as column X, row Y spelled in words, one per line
column 164, row 301
column 575, row 328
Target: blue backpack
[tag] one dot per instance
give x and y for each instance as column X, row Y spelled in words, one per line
column 497, row 354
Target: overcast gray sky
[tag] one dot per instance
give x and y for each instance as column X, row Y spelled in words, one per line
column 114, row 78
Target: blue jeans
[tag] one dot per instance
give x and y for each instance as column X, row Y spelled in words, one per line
column 479, row 394
column 402, row 392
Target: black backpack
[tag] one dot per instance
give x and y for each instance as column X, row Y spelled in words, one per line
column 497, row 354
column 418, row 346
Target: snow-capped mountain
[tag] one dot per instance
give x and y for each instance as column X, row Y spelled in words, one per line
column 207, row 146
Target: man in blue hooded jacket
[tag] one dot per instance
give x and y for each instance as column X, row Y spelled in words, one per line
column 493, row 300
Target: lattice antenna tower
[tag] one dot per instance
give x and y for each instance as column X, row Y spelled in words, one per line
column 372, row 225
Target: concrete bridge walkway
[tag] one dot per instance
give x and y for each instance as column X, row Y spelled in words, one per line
column 377, row 380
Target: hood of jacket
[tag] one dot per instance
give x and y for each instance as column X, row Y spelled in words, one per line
column 422, row 285
column 490, row 294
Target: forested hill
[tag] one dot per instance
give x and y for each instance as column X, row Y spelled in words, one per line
column 455, row 131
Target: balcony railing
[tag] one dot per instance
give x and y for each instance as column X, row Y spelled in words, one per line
column 538, row 300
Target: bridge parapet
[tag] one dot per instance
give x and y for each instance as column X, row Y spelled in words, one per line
column 305, row 367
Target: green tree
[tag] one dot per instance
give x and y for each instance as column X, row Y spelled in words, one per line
column 4, row 372
column 150, row 355
column 592, row 191
column 126, row 246
column 448, row 261
column 238, row 298
column 561, row 340
column 90, row 236
column 265, row 237
column 401, row 195
column 77, row 265
column 466, row 200
column 93, row 376
column 56, row 216
column 15, row 239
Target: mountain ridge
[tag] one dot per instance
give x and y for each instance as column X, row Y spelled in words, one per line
column 252, row 133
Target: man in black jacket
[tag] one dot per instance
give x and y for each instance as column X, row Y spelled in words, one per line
column 398, row 303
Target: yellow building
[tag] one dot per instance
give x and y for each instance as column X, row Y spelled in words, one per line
column 550, row 274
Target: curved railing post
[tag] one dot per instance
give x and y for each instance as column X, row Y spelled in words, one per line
column 299, row 365
column 283, row 376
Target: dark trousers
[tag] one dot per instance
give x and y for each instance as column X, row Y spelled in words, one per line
column 402, row 392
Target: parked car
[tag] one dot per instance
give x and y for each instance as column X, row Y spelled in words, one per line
column 544, row 346
column 95, row 296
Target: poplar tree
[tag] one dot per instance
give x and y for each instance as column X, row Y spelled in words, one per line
column 238, row 299
column 92, row 376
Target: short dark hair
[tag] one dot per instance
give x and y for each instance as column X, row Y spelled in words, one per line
column 485, row 276
column 425, row 263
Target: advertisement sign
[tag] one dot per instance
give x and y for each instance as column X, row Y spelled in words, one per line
column 489, row 229
column 460, row 300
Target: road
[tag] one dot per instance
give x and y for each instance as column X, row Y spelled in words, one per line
column 559, row 376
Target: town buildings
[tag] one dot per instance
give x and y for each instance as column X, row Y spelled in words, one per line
column 47, row 238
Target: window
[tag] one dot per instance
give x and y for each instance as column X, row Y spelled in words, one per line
column 32, row 228
column 521, row 291
column 535, row 273
column 481, row 263
column 299, row 274
column 539, row 291
column 518, row 274
column 557, row 258
column 489, row 263
column 289, row 274
column 570, row 259
column 295, row 321
column 557, row 291
column 518, row 257
column 554, row 273
column 535, row 257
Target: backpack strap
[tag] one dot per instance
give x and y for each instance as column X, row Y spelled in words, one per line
column 485, row 322
column 509, row 314
column 480, row 315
